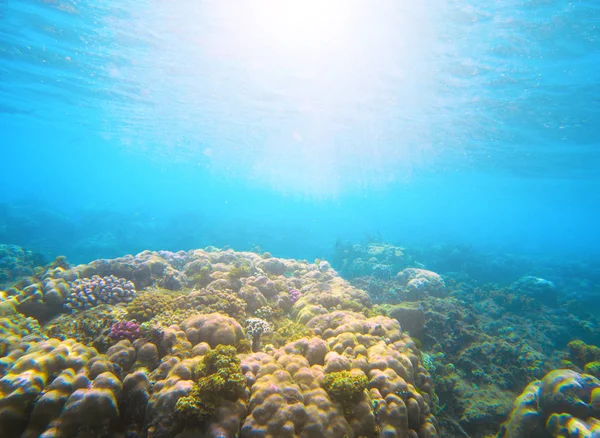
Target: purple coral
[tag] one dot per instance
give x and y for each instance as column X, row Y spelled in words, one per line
column 125, row 330
column 295, row 295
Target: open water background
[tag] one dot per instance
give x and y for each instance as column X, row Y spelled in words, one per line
column 291, row 125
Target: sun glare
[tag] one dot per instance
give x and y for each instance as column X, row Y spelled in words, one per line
column 302, row 25
column 312, row 95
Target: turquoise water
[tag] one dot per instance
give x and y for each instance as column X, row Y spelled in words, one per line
column 294, row 125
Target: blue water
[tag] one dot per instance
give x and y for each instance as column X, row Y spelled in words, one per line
column 292, row 125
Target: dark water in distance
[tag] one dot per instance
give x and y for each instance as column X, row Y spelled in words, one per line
column 173, row 125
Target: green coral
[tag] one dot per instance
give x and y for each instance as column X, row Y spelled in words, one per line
column 240, row 271
column 582, row 353
column 13, row 327
column 199, row 278
column 346, row 387
column 170, row 317
column 219, row 378
column 286, row 330
column 592, row 368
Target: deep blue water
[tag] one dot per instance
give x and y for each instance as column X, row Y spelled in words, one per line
column 291, row 125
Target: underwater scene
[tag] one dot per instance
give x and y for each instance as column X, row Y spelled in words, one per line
column 299, row 218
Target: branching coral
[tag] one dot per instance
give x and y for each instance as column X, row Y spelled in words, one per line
column 90, row 292
column 255, row 328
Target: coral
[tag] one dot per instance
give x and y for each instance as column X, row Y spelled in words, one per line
column 136, row 394
column 563, row 404
column 214, row 329
column 295, row 294
column 253, row 298
column 57, row 386
column 195, row 374
column 152, row 332
column 90, row 292
column 211, row 300
column 410, row 316
column 219, row 378
column 582, row 353
column 285, row 331
column 92, row 411
column 265, row 312
column 346, row 387
column 255, row 328
column 323, row 266
column 91, row 327
column 372, row 259
column 537, row 289
column 41, row 298
column 14, row 327
column 593, row 369
column 16, row 262
column 239, row 271
column 336, row 294
column 419, row 283
column 172, row 279
column 146, row 305
column 172, row 317
column 288, row 397
column 129, row 330
column 268, row 288
column 143, row 269
column 273, row 266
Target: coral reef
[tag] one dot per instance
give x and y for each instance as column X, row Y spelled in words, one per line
column 287, row 383
column 17, row 262
column 376, row 259
column 224, row 343
column 330, row 366
column 483, row 343
column 538, row 289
